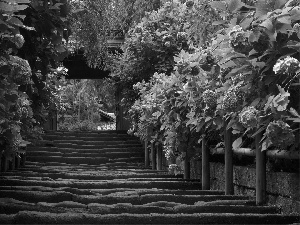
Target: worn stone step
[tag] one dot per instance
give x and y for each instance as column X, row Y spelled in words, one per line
column 69, row 160
column 113, row 198
column 32, row 217
column 128, row 191
column 97, row 142
column 86, row 154
column 109, row 138
column 87, row 150
column 108, row 166
column 86, row 145
column 108, row 184
column 11, row 206
column 85, row 134
column 84, row 176
column 151, row 198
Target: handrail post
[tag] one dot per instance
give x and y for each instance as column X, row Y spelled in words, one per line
column 159, row 157
column 147, row 160
column 205, row 165
column 260, row 171
column 153, row 156
column 186, row 167
column 229, row 188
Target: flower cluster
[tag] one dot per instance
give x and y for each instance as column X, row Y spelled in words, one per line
column 280, row 134
column 286, row 66
column 210, row 98
column 175, row 169
column 182, row 36
column 233, row 98
column 19, row 40
column 189, row 4
column 249, row 117
column 138, row 29
column 296, row 27
column 21, row 70
column 238, row 78
column 238, row 39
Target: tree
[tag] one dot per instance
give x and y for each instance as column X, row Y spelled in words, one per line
column 31, row 44
column 94, row 22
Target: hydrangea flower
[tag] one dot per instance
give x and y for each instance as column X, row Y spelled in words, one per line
column 21, row 69
column 138, row 29
column 167, row 38
column 167, row 44
column 238, row 78
column 233, row 98
column 249, row 117
column 286, row 66
column 182, row 36
column 19, row 40
column 175, row 169
column 296, row 27
column 280, row 134
column 238, row 39
column 210, row 98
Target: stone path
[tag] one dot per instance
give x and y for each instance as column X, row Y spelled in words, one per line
column 98, row 178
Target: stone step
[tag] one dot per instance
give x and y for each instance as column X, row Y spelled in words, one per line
column 108, row 166
column 80, row 160
column 85, row 154
column 86, row 134
column 12, row 206
column 128, row 191
column 114, row 198
column 86, row 146
column 103, row 149
column 70, row 160
column 97, row 142
column 34, row 217
column 108, row 138
column 84, row 176
column 93, row 146
column 104, row 184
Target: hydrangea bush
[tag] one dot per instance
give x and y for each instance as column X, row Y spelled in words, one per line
column 241, row 78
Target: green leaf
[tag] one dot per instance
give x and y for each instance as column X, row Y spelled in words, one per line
column 6, row 7
column 268, row 25
column 263, row 7
column 266, row 144
column 294, row 112
column 258, row 131
column 245, row 23
column 219, row 5
column 255, row 102
column 237, row 143
column 219, row 22
column 15, row 21
column 254, row 36
column 20, row 7
column 233, row 5
column 21, row 1
column 279, row 4
column 295, row 14
column 60, row 48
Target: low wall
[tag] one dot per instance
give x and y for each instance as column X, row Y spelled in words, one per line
column 283, row 188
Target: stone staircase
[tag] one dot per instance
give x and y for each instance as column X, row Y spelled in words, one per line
column 99, row 178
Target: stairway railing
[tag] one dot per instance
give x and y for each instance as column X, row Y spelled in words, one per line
column 156, row 158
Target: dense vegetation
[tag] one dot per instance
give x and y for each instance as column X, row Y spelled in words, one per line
column 188, row 69
column 31, row 46
column 195, row 68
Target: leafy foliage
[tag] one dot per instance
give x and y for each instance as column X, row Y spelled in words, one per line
column 246, row 75
column 31, row 34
